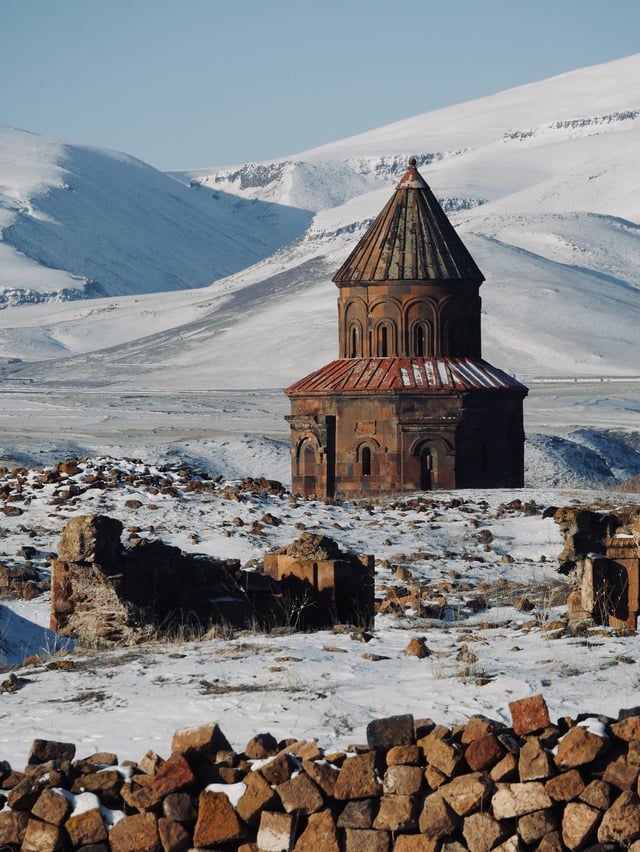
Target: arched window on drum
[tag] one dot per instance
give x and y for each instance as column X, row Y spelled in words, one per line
column 385, row 339
column 354, row 342
column 421, row 340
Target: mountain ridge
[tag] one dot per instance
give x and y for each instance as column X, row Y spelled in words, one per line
column 101, row 223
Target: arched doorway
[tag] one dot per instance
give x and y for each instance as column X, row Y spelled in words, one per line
column 307, row 459
column 429, row 463
column 308, row 467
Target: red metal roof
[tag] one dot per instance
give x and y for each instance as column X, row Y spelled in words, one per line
column 410, row 240
column 432, row 375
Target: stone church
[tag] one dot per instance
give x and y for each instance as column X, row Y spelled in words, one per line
column 409, row 404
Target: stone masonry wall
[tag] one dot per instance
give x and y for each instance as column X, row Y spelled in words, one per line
column 416, row 786
column 103, row 593
column 602, row 555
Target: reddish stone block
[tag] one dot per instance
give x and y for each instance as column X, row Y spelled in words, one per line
column 300, row 795
column 627, row 729
column 621, row 823
column 565, row 787
column 138, row 833
column 258, row 796
column 86, row 828
column 597, row 793
column 467, row 793
column 622, row 775
column 358, row 778
column 261, row 746
column 204, row 741
column 483, row 832
column 506, row 769
column 579, row 823
column 278, row 770
column 366, row 840
column 319, row 835
column 578, row 748
column 403, row 780
column 324, row 775
column 483, row 752
column 217, row 822
column 529, row 715
column 404, row 756
column 414, row 843
column 444, row 756
column 533, row 827
column 437, row 819
column 51, row 807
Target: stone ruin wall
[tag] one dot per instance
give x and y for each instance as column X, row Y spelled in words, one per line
column 415, row 786
column 104, row 593
column 602, row 556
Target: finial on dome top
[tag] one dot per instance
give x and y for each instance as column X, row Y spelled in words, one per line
column 412, row 179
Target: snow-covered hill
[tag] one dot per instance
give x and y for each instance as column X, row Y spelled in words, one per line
column 541, row 181
column 78, row 222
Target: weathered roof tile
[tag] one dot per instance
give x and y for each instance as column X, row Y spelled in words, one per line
column 411, row 240
column 431, row 375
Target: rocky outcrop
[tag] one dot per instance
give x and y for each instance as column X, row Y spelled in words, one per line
column 416, row 785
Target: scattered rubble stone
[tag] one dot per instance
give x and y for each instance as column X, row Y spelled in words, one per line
column 417, row 647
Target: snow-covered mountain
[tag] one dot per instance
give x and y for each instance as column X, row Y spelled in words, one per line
column 78, row 222
column 541, row 181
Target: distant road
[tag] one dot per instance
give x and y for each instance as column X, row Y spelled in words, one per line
column 580, row 379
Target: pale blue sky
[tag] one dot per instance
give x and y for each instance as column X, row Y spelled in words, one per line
column 197, row 83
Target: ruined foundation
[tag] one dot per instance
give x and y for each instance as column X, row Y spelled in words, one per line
column 102, row 593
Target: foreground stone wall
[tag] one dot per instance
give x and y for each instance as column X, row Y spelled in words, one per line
column 415, row 785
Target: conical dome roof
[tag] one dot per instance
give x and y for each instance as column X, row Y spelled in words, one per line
column 410, row 240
